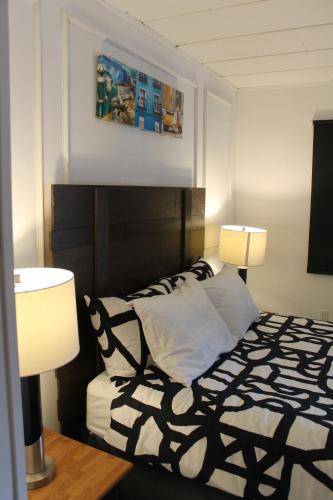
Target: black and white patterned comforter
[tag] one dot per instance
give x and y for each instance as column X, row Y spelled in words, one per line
column 258, row 424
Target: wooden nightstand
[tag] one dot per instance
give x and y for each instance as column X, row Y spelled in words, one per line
column 82, row 472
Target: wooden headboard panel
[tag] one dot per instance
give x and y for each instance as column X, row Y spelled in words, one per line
column 116, row 240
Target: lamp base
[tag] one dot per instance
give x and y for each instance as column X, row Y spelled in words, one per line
column 242, row 271
column 40, row 470
column 43, row 477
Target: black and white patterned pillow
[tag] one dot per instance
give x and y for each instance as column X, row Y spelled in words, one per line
column 201, row 270
column 119, row 330
column 119, row 333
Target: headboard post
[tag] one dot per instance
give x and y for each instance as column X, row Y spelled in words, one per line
column 116, row 240
column 194, row 227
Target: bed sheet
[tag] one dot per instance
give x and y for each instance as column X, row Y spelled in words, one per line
column 100, row 393
column 258, row 424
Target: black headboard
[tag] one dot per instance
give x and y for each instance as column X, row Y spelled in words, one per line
column 116, row 240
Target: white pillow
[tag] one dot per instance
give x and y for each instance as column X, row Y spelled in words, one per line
column 232, row 299
column 184, row 332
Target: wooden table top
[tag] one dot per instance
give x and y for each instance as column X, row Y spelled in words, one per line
column 82, row 472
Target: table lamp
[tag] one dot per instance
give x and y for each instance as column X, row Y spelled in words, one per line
column 242, row 246
column 47, row 336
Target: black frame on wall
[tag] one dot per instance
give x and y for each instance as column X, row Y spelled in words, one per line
column 320, row 254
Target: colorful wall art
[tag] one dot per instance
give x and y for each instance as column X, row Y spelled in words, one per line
column 131, row 97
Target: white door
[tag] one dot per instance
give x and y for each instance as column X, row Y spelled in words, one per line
column 12, row 480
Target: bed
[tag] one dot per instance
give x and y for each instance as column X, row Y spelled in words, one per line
column 257, row 424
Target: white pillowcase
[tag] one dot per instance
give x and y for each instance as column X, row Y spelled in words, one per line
column 184, row 332
column 232, row 299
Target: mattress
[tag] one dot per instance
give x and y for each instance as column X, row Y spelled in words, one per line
column 100, row 394
column 258, row 424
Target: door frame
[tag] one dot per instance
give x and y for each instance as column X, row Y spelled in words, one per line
column 12, row 470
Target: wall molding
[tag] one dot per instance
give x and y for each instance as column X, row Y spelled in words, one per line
column 209, row 93
column 38, row 138
column 99, row 33
column 196, row 132
column 286, row 86
column 218, row 97
column 204, row 138
column 65, row 22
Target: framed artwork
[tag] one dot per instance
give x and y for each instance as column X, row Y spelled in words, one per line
column 128, row 96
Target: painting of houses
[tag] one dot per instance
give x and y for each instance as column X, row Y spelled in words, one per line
column 172, row 111
column 115, row 91
column 148, row 109
column 128, row 96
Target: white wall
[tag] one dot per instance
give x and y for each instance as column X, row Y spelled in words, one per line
column 24, row 106
column 57, row 138
column 273, row 167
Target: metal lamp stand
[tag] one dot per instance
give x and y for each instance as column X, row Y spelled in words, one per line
column 40, row 469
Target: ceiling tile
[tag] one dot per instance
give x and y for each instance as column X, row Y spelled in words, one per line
column 269, row 15
column 304, row 60
column 248, row 42
column 311, row 76
column 319, row 37
column 246, row 46
column 151, row 9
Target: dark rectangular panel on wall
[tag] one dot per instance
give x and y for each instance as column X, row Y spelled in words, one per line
column 320, row 255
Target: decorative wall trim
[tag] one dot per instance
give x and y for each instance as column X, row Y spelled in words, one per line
column 269, row 88
column 70, row 17
column 196, row 138
column 38, row 139
column 227, row 103
column 65, row 20
column 232, row 155
column 199, row 145
column 204, row 136
column 106, row 38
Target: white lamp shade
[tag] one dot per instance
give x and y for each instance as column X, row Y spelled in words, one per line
column 46, row 319
column 242, row 245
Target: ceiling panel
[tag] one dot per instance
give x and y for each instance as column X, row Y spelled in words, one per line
column 319, row 37
column 270, row 15
column 283, row 78
column 145, row 10
column 245, row 46
column 248, row 42
column 267, row 64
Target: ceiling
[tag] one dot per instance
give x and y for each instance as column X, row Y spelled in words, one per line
column 250, row 43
